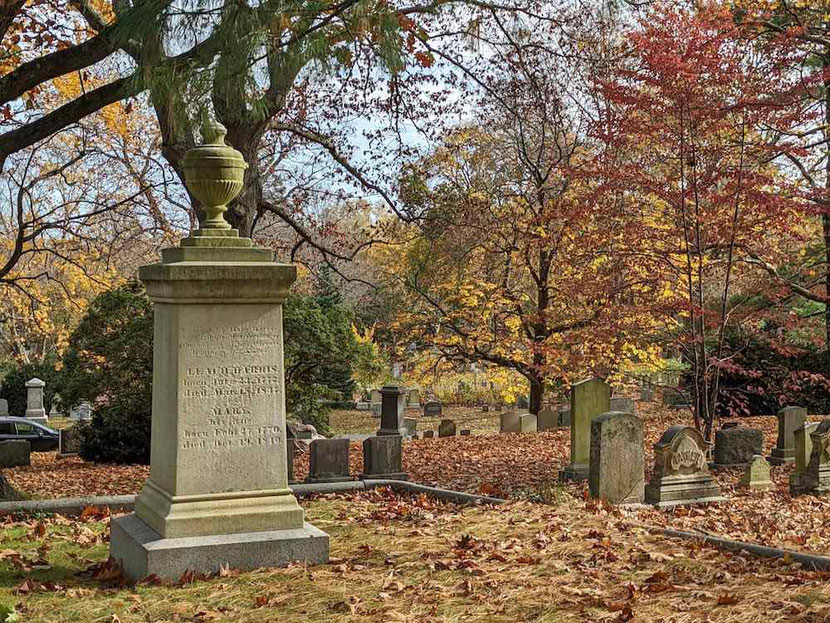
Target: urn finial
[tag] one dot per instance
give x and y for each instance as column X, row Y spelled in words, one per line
column 214, row 174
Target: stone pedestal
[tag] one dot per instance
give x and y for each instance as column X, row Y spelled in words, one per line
column 392, row 409
column 589, row 399
column 789, row 418
column 34, row 401
column 814, row 479
column 383, row 459
column 218, row 485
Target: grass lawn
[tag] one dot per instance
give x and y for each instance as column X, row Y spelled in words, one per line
column 404, row 558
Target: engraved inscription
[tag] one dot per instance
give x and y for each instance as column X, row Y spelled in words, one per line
column 233, row 405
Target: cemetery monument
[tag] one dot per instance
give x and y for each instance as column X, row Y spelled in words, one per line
column 589, row 399
column 217, row 494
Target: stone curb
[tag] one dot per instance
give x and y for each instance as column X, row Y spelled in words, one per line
column 810, row 561
column 75, row 506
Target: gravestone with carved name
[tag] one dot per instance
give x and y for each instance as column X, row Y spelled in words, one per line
column 589, row 399
column 681, row 474
column 218, row 494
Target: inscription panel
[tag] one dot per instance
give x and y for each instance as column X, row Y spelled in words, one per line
column 231, row 404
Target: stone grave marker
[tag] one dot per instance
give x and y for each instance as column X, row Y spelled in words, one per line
column 82, row 411
column 647, row 393
column 446, row 428
column 803, row 446
column 69, row 441
column 564, row 417
column 382, row 458
column 756, row 477
column 15, row 452
column 328, row 461
column 681, row 474
column 815, row 478
column 737, row 445
column 432, row 408
column 414, row 397
column 789, row 418
column 589, row 399
column 363, row 406
column 429, row 434
column 289, row 461
column 527, row 423
column 509, row 422
column 4, row 407
column 547, row 420
column 218, row 494
column 623, row 405
column 392, row 410
column 466, row 432
column 617, row 465
column 34, row 401
column 410, row 425
column 675, row 399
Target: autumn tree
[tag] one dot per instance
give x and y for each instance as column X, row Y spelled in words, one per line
column 689, row 155
column 516, row 260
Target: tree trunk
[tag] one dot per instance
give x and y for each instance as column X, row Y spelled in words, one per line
column 537, row 392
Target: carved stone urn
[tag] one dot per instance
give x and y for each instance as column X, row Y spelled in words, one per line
column 214, row 174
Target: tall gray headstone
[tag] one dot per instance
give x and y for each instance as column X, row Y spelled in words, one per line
column 815, row 478
column 617, row 468
column 4, row 407
column 589, row 399
column 34, row 400
column 789, row 418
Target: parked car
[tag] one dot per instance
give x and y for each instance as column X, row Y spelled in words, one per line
column 42, row 438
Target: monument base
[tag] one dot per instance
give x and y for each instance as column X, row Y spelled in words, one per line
column 781, row 457
column 142, row 552
column 389, row 476
column 574, row 473
column 699, row 490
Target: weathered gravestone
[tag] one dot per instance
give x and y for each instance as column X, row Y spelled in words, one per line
column 509, row 422
column 4, row 407
column 432, row 408
column 414, row 398
column 328, row 461
column 803, row 448
column 564, row 417
column 14, row 453
column 681, row 474
column 34, row 401
column 623, row 405
column 756, row 477
column 363, row 406
column 589, row 399
column 547, row 420
column 429, row 434
column 69, row 441
column 82, row 411
column 410, row 426
column 218, row 494
column 527, row 423
column 737, row 445
column 383, row 459
column 617, row 467
column 815, row 478
column 392, row 409
column 466, row 432
column 446, row 428
column 789, row 418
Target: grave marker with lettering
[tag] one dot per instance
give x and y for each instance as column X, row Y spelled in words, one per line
column 589, row 399
column 218, row 490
